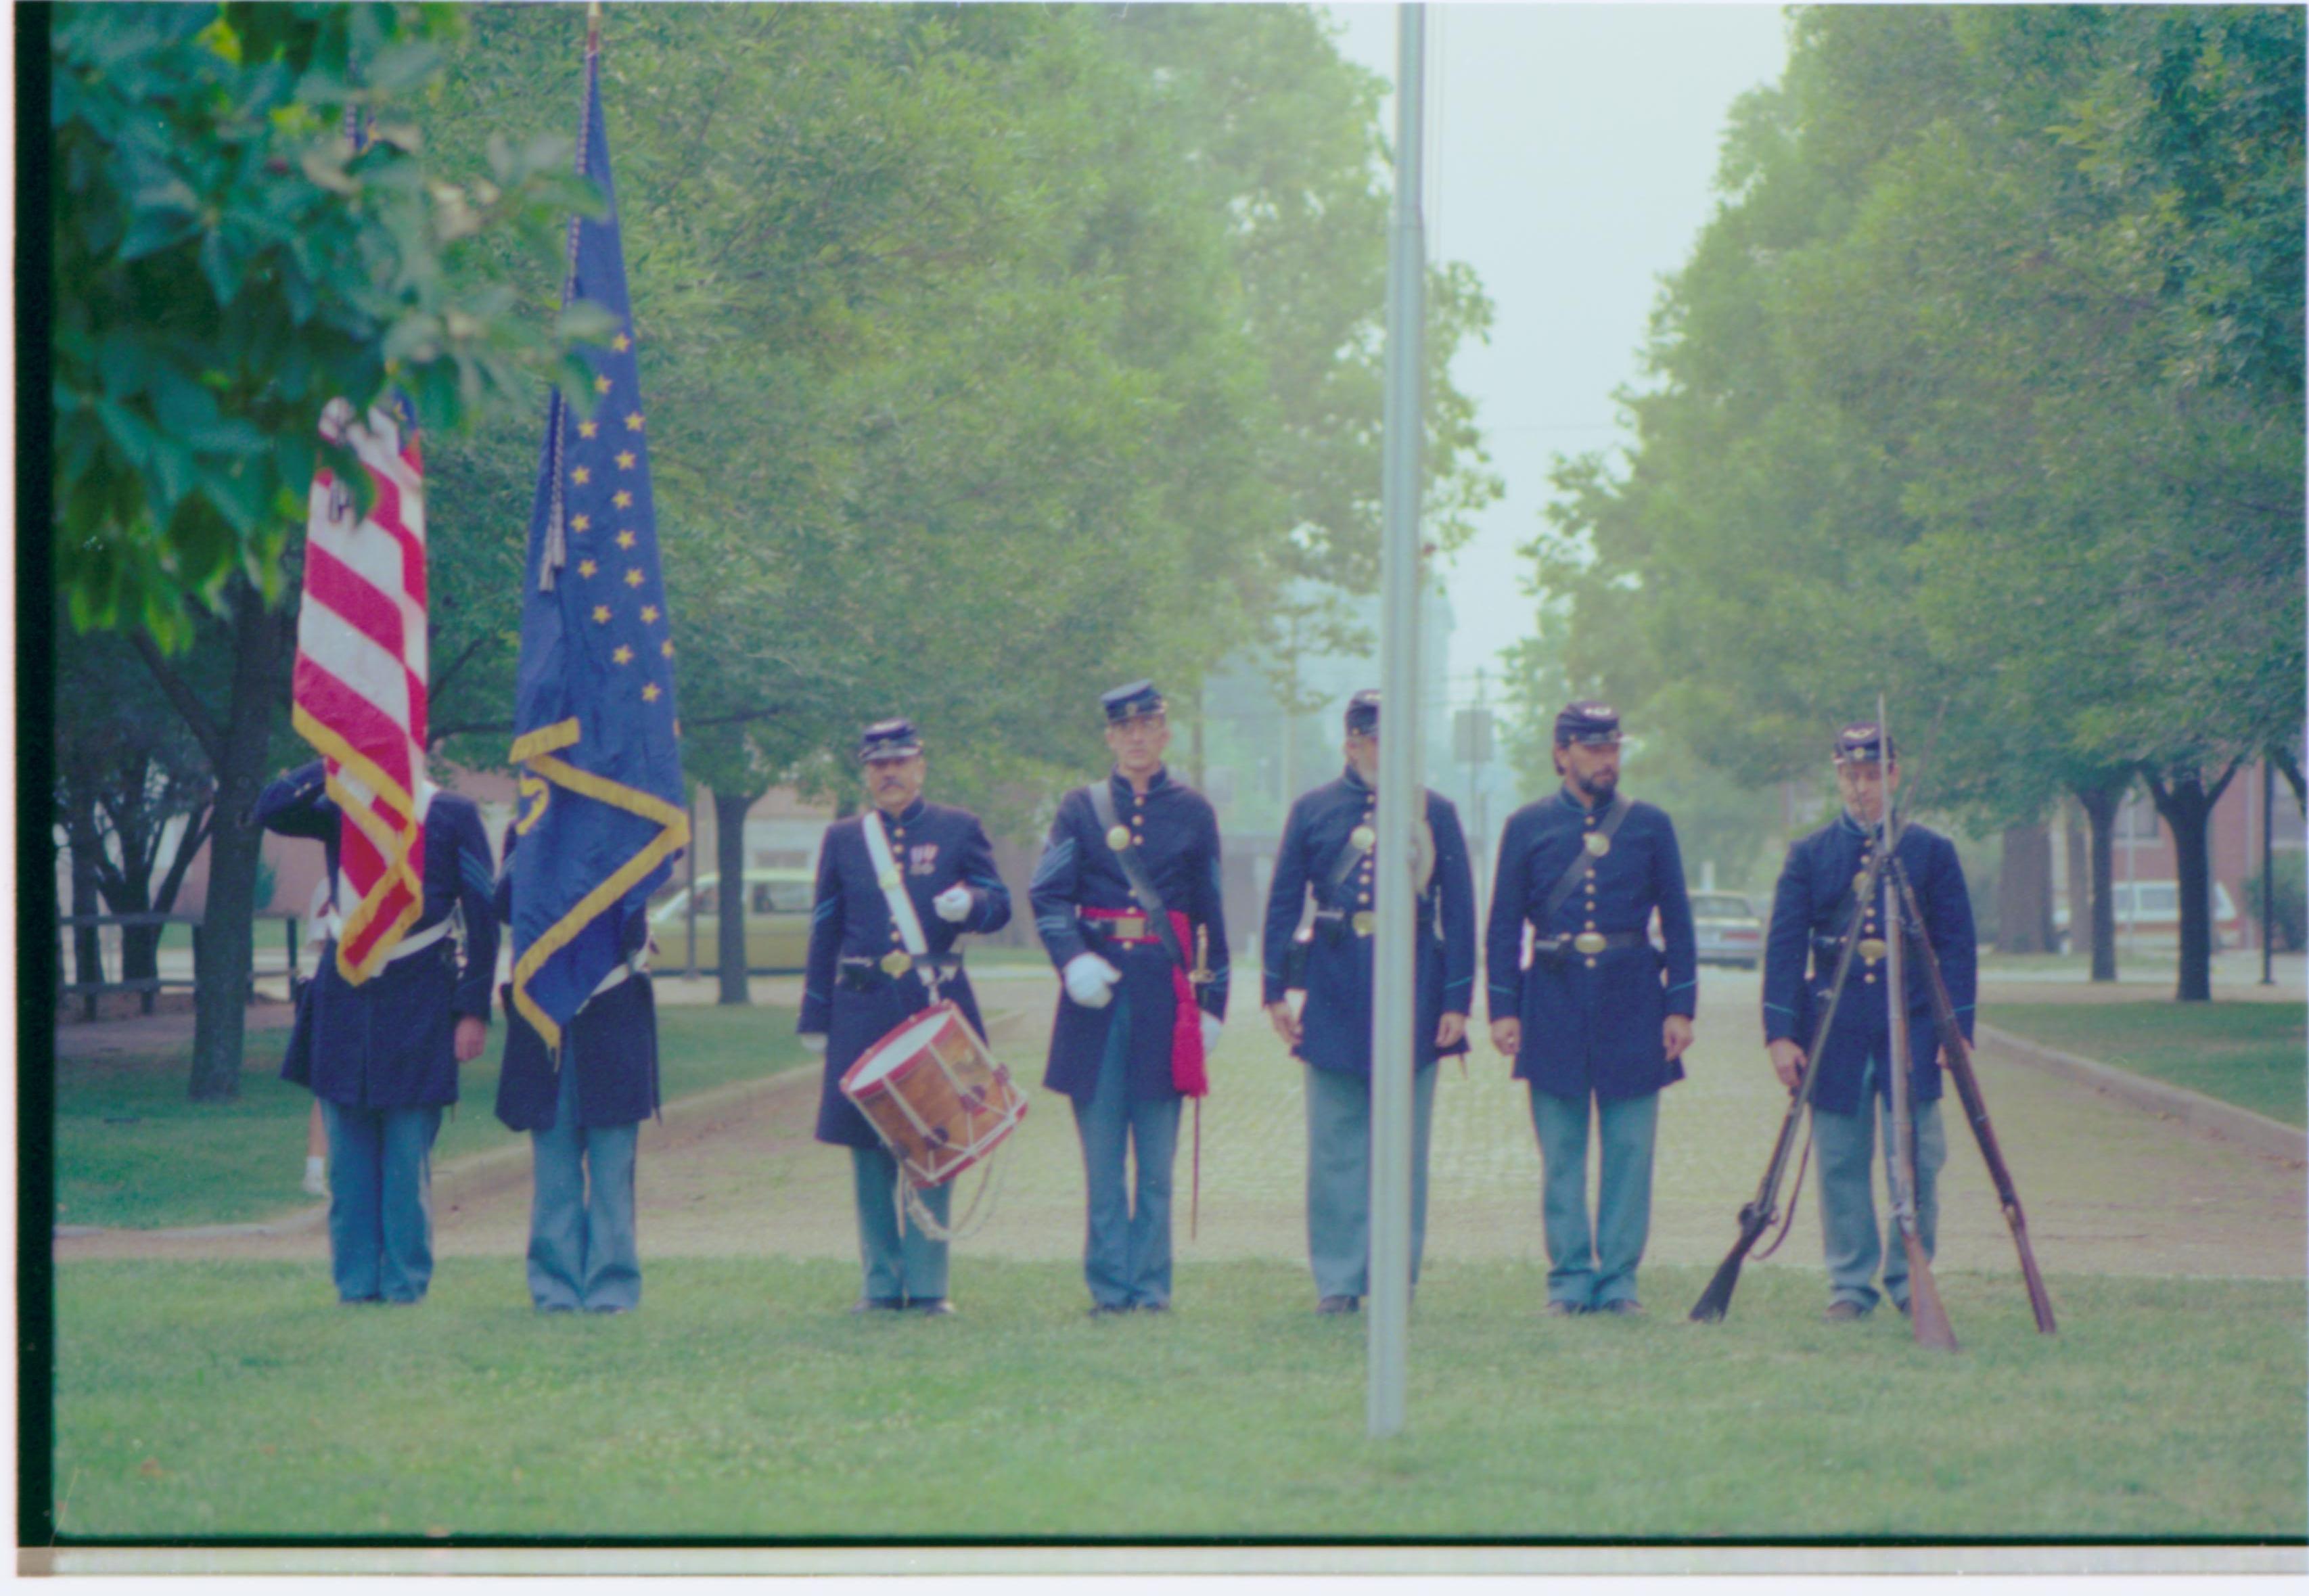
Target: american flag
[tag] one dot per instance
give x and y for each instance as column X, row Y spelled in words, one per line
column 359, row 692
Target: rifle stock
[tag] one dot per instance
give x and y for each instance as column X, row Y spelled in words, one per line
column 1757, row 1215
column 1975, row 1105
column 1716, row 1300
column 1926, row 1314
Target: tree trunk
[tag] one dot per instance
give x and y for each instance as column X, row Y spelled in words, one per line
column 2100, row 804
column 2187, row 805
column 2024, row 891
column 730, row 893
column 88, row 944
column 224, row 942
column 2077, row 862
column 140, row 945
column 2291, row 767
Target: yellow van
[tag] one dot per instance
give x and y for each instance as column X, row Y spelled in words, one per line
column 777, row 923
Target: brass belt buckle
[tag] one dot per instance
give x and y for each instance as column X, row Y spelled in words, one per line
column 1131, row 925
column 1872, row 949
column 1363, row 922
column 1590, row 943
column 896, row 962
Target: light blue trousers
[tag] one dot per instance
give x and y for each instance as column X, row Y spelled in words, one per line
column 1844, row 1144
column 1127, row 1250
column 582, row 1250
column 380, row 1206
column 1338, row 1176
column 1593, row 1267
column 901, row 1264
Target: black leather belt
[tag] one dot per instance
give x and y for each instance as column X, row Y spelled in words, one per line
column 861, row 974
column 1122, row 930
column 1338, row 922
column 1589, row 942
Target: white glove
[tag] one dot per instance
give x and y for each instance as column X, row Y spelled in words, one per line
column 1090, row 980
column 953, row 903
column 813, row 1041
column 1212, row 1026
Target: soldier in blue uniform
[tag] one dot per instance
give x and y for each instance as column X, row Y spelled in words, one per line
column 1811, row 910
column 1134, row 1022
column 583, row 1112
column 1327, row 847
column 1600, row 1012
column 381, row 1056
column 862, row 982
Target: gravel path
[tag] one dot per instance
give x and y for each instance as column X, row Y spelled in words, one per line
column 2109, row 1189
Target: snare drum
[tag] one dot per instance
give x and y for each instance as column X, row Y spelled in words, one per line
column 934, row 1095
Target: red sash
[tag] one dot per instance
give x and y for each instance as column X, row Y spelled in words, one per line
column 1189, row 1076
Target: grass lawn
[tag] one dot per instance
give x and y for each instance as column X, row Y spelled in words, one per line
column 2251, row 1054
column 132, row 1150
column 217, row 1399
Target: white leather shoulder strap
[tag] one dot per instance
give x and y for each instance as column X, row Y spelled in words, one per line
column 893, row 886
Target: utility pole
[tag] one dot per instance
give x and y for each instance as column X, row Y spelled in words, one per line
column 1392, row 1001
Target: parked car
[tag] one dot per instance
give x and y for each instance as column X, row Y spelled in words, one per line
column 2150, row 912
column 777, row 923
column 1726, row 928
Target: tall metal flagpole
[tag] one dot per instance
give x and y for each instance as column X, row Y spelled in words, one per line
column 1392, row 1005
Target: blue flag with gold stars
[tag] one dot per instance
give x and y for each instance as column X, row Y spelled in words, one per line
column 601, row 812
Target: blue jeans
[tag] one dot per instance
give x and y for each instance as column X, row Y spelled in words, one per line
column 380, row 1210
column 900, row 1267
column 1127, row 1252
column 1338, row 1176
column 1844, row 1146
column 581, row 1252
column 1592, row 1269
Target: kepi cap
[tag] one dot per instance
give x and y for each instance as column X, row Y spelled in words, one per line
column 1130, row 701
column 1363, row 712
column 892, row 739
column 1587, row 721
column 1863, row 742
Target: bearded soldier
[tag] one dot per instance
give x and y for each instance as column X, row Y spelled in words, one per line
column 1327, row 849
column 1599, row 1014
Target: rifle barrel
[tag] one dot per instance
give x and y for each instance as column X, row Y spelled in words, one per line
column 1975, row 1104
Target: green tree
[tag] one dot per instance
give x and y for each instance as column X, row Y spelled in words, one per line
column 126, row 769
column 224, row 265
column 985, row 388
column 1983, row 388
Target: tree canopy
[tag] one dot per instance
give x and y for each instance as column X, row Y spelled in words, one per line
column 1983, row 388
column 227, row 264
column 1002, row 353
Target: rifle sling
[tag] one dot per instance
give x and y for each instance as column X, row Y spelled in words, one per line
column 1583, row 863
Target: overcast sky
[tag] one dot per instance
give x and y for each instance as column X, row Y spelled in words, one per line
column 1569, row 153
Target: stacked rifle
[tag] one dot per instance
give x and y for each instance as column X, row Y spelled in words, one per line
column 1888, row 879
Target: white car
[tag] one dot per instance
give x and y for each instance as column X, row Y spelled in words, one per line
column 1725, row 928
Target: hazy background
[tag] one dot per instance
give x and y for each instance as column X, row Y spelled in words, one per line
column 1569, row 153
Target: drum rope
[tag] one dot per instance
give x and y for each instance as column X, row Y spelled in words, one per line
column 908, row 1200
